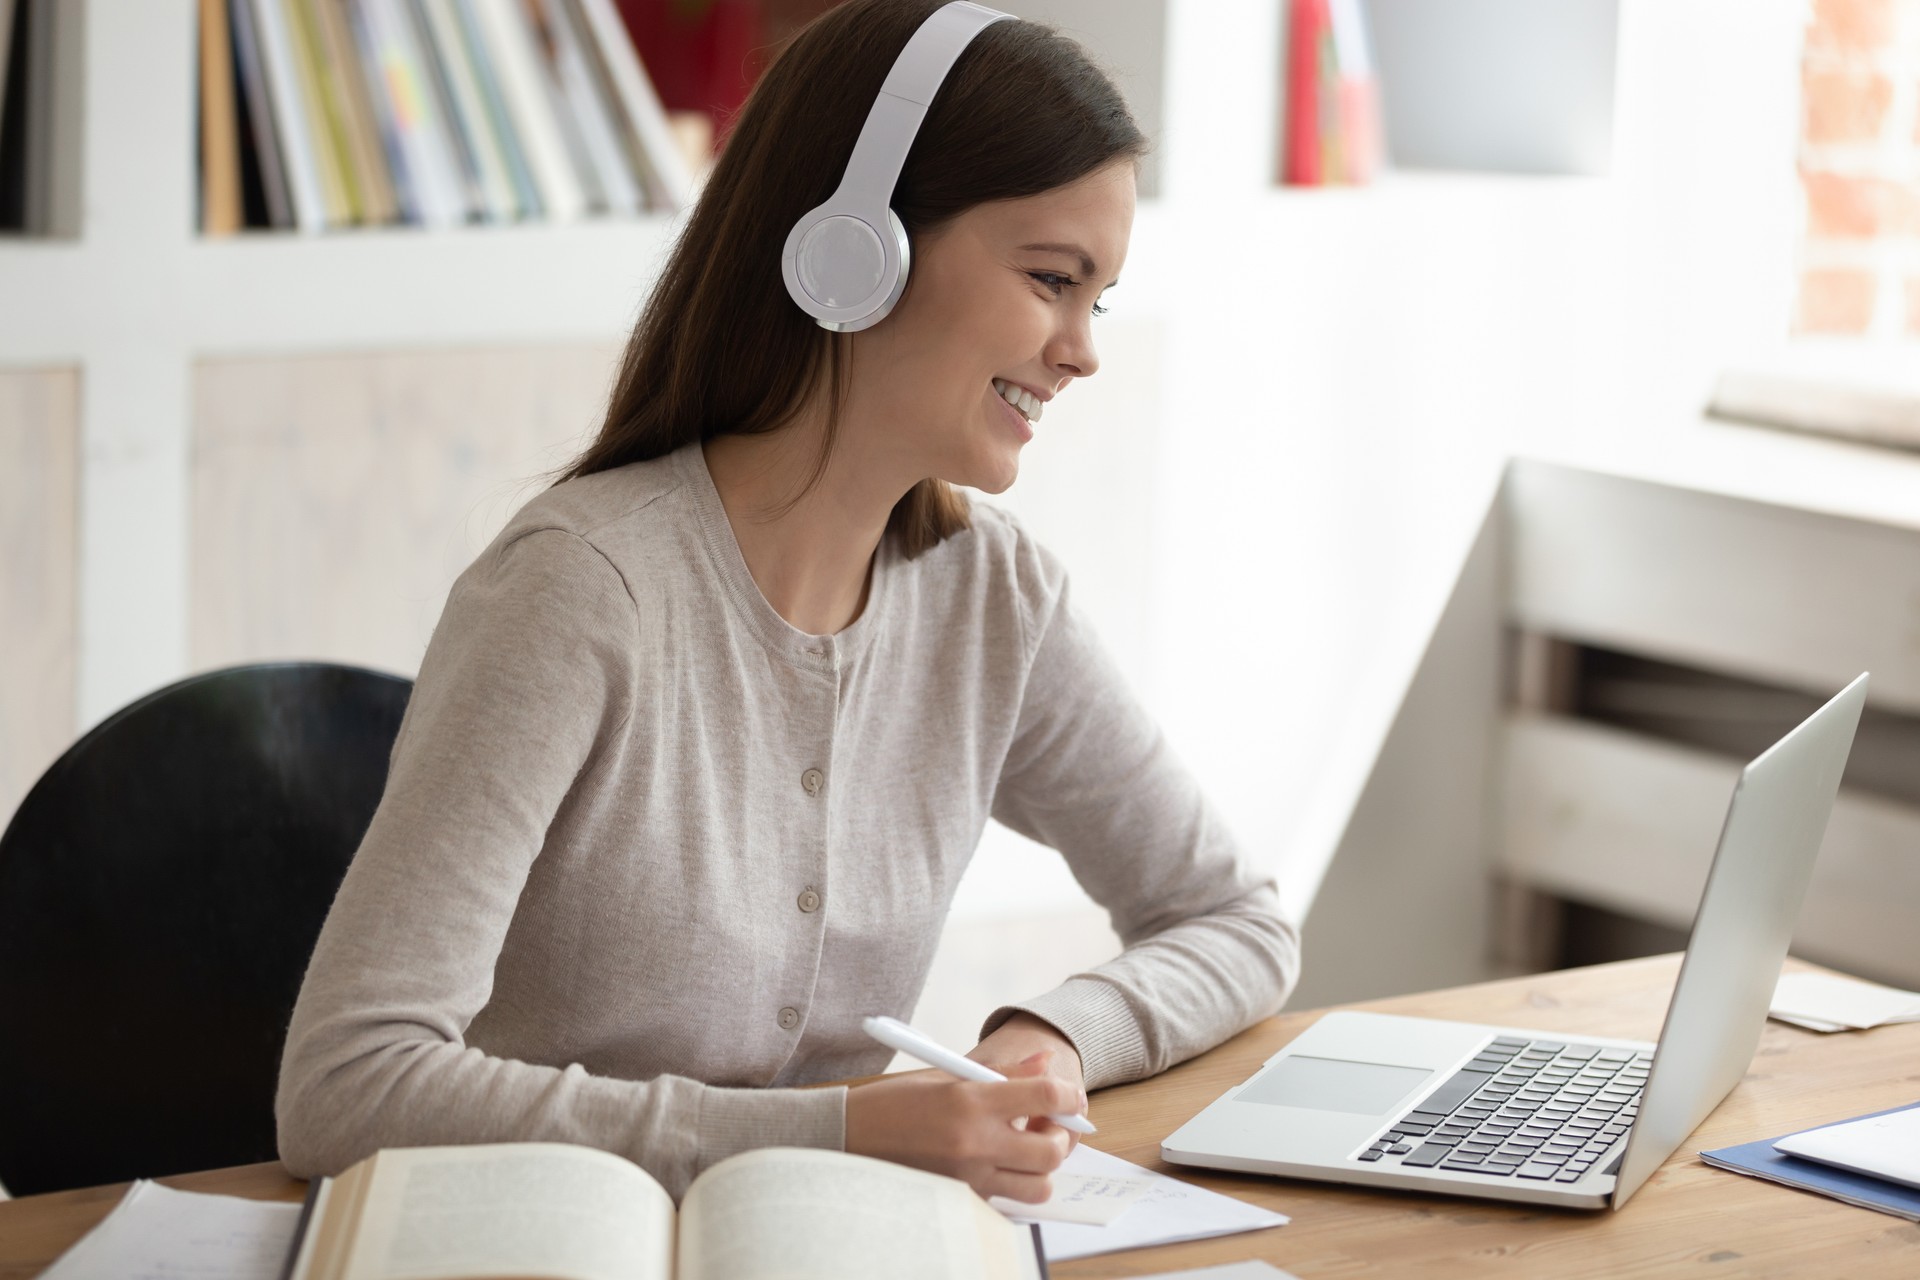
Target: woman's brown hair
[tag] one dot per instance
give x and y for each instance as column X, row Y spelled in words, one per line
column 720, row 347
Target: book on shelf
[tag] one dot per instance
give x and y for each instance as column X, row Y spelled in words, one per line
column 292, row 137
column 1331, row 127
column 658, row 155
column 544, row 57
column 338, row 194
column 13, row 16
column 6, row 48
column 39, row 116
column 576, row 1213
column 531, row 107
column 324, row 114
column 265, row 189
column 420, row 141
column 221, row 200
column 350, row 114
column 1307, row 24
column 464, row 102
column 510, row 147
column 579, row 85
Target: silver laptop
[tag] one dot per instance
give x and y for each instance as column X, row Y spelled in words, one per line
column 1512, row 1114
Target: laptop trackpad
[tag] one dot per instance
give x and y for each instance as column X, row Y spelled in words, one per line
column 1331, row 1084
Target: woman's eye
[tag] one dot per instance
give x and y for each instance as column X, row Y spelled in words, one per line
column 1054, row 280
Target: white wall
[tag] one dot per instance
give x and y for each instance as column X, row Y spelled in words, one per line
column 1344, row 372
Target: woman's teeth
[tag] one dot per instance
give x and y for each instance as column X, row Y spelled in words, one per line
column 1025, row 401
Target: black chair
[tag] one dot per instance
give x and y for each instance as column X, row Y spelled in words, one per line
column 161, row 888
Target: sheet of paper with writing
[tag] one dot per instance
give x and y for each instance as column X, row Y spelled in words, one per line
column 1168, row 1211
column 157, row 1232
column 1094, row 1199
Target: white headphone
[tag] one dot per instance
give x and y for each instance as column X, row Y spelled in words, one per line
column 846, row 261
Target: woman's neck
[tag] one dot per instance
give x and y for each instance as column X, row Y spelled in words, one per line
column 810, row 558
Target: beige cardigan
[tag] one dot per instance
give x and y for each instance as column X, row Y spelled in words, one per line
column 647, row 854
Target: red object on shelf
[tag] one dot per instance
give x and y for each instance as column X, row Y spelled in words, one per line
column 1360, row 127
column 700, row 56
column 1308, row 24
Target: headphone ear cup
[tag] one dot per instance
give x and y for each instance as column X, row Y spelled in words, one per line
column 839, row 270
column 840, row 261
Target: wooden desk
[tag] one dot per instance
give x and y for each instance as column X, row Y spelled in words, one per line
column 1688, row 1220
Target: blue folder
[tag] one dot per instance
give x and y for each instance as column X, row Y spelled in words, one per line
column 1760, row 1160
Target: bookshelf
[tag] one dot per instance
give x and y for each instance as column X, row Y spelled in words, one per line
column 137, row 297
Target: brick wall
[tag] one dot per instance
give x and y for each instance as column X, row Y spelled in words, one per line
column 1860, row 170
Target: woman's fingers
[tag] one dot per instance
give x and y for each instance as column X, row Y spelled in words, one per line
column 1028, row 1151
column 1027, row 1188
column 1041, row 1124
column 992, row 1135
column 1040, row 1096
column 1021, row 1169
column 1067, row 1099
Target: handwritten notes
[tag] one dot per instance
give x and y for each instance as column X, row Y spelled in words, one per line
column 1093, row 1199
column 157, row 1233
column 1165, row 1212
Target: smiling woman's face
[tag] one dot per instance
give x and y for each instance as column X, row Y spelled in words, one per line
column 1006, row 291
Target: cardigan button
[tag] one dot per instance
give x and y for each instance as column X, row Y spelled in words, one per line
column 789, row 1018
column 809, row 900
column 812, row 780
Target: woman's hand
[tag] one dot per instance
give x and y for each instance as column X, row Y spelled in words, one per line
column 1022, row 1036
column 968, row 1130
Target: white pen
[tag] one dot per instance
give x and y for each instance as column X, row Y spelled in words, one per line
column 896, row 1034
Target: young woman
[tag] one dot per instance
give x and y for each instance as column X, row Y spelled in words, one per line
column 705, row 738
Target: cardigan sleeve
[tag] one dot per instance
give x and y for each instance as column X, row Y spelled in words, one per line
column 1207, row 952
column 528, row 678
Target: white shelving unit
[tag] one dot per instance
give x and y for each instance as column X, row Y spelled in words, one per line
column 138, row 296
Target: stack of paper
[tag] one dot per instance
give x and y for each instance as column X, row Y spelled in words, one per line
column 1872, row 1161
column 1102, row 1203
column 156, row 1231
column 1821, row 1002
column 1886, row 1145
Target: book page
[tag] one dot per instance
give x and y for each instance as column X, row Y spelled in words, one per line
column 801, row 1214
column 512, row 1209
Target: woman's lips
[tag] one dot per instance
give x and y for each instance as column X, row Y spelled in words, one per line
column 1020, row 423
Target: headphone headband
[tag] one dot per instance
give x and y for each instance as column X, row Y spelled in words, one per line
column 846, row 260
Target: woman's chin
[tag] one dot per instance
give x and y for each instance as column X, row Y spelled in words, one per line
column 995, row 477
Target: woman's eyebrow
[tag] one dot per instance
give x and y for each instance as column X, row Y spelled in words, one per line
column 1074, row 251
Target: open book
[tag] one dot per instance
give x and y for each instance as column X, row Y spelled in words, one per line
column 565, row 1212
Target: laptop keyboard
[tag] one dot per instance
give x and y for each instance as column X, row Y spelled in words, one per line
column 1534, row 1109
